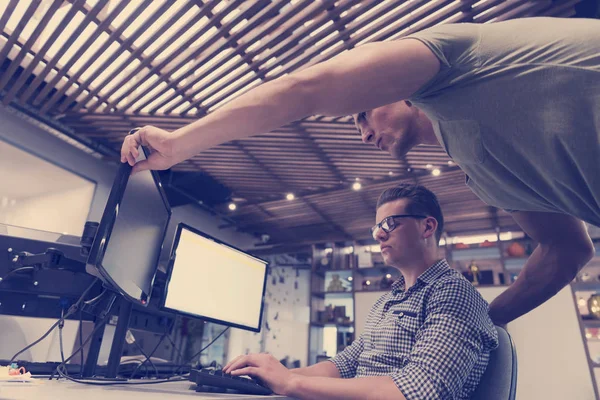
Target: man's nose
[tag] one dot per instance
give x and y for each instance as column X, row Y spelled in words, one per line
column 380, row 235
column 367, row 136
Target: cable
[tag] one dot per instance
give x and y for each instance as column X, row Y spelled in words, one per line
column 92, row 301
column 154, row 350
column 81, row 341
column 61, row 324
column 34, row 343
column 147, row 358
column 72, row 310
column 80, row 348
column 14, row 271
column 201, row 350
column 179, row 353
column 61, row 368
column 116, row 382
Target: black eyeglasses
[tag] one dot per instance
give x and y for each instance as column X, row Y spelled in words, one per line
column 388, row 224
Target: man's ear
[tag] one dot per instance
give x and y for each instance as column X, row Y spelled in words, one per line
column 430, row 225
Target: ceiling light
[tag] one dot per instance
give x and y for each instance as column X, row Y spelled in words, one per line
column 389, row 276
column 290, row 196
column 350, row 279
column 436, row 172
column 429, row 166
column 356, row 186
column 450, row 162
column 232, row 206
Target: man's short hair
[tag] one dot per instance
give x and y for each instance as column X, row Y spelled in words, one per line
column 422, row 201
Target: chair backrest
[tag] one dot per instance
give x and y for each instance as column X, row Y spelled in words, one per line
column 499, row 381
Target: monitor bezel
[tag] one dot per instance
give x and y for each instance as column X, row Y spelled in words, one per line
column 107, row 222
column 163, row 306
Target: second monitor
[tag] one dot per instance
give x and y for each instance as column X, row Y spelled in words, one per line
column 214, row 281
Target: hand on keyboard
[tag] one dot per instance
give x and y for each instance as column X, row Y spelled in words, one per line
column 265, row 367
column 216, row 378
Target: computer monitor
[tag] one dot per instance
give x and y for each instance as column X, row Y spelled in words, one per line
column 214, row 281
column 129, row 239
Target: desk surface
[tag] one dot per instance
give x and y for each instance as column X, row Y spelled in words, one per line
column 65, row 390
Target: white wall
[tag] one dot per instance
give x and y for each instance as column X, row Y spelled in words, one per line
column 64, row 212
column 551, row 357
column 18, row 332
column 286, row 319
column 31, row 138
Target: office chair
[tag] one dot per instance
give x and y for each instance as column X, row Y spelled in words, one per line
column 499, row 381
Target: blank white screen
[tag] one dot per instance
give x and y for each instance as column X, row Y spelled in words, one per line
column 212, row 280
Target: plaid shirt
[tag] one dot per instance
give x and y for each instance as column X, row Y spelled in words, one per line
column 433, row 339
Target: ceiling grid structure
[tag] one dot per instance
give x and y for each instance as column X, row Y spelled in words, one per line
column 103, row 67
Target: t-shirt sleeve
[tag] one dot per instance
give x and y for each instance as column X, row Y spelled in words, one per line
column 456, row 46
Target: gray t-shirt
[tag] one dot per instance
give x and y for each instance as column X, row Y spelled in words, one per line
column 516, row 105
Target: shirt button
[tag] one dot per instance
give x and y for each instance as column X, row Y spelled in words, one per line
column 400, row 315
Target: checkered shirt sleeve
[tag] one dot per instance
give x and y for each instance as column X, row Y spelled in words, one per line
column 447, row 347
column 347, row 361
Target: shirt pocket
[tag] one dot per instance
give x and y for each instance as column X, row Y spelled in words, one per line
column 462, row 141
column 408, row 322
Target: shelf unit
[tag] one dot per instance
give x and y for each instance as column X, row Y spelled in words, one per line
column 586, row 284
column 345, row 259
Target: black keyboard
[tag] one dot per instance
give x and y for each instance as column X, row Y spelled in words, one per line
column 215, row 378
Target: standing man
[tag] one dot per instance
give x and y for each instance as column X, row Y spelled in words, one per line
column 515, row 104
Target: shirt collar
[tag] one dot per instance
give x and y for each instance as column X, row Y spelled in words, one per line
column 430, row 275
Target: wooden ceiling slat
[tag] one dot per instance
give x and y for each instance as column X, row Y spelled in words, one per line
column 214, row 38
column 283, row 42
column 248, row 57
column 52, row 64
column 99, row 29
column 8, row 11
column 156, row 69
column 39, row 55
column 316, row 53
column 113, row 36
column 12, row 39
column 265, row 12
column 137, row 54
column 505, row 6
column 299, row 48
column 16, row 62
column 127, row 44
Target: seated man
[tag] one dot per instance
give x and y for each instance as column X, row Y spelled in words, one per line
column 428, row 338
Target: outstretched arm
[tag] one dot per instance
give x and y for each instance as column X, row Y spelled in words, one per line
column 564, row 248
column 360, row 79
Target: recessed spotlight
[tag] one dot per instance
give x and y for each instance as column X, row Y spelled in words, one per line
column 232, row 206
column 357, row 179
column 389, row 276
column 356, row 186
column 390, row 173
column 450, row 162
column 350, row 279
column 436, row 172
column 290, row 196
column 367, row 283
column 429, row 166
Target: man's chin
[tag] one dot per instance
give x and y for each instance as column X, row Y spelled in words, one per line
column 398, row 151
